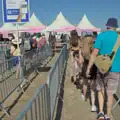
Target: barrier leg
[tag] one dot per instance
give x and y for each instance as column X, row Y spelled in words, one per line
column 61, row 98
column 5, row 111
column 36, row 70
column 116, row 104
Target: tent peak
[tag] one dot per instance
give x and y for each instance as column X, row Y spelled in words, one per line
column 33, row 16
column 34, row 22
column 85, row 17
column 86, row 25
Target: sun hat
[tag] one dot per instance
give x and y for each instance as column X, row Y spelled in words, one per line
column 16, row 41
column 112, row 22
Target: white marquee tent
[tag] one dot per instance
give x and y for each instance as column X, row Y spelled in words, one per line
column 86, row 25
column 60, row 24
column 34, row 23
column 9, row 27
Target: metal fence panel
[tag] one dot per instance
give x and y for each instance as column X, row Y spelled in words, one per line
column 116, row 106
column 38, row 107
column 8, row 81
column 34, row 58
column 55, row 78
column 42, row 106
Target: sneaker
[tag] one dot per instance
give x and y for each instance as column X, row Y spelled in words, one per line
column 101, row 116
column 83, row 97
column 107, row 118
column 94, row 108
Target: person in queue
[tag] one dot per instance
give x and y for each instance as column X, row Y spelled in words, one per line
column 108, row 82
column 42, row 41
column 86, row 49
column 16, row 53
column 75, row 55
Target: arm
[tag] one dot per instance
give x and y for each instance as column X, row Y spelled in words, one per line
column 97, row 47
column 20, row 16
column 12, row 50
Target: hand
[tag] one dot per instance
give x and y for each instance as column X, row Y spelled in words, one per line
column 88, row 73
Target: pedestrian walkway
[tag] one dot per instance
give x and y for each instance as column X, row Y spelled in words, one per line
column 74, row 108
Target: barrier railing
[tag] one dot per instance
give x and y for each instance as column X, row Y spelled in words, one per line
column 55, row 78
column 33, row 59
column 4, row 45
column 116, row 106
column 38, row 108
column 13, row 72
column 44, row 105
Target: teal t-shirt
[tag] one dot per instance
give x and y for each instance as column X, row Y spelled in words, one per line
column 105, row 43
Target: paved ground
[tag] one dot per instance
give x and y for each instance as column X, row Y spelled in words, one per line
column 74, row 108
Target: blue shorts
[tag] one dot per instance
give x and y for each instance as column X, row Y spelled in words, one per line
column 15, row 60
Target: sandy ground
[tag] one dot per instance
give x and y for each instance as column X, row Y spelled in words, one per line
column 74, row 108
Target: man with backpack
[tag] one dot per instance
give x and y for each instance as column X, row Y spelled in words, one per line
column 108, row 82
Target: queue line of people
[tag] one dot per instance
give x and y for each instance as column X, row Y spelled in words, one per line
column 83, row 52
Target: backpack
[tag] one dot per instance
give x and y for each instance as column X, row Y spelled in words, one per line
column 34, row 43
column 86, row 47
column 42, row 42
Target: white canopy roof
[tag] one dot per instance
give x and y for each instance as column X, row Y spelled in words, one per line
column 8, row 27
column 86, row 25
column 34, row 22
column 60, row 23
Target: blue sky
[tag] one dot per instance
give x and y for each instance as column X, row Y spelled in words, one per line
column 98, row 11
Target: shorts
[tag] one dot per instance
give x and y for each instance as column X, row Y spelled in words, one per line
column 93, row 73
column 15, row 60
column 109, row 82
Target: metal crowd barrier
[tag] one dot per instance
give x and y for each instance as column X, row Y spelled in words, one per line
column 8, row 81
column 33, row 59
column 39, row 107
column 4, row 45
column 116, row 106
column 42, row 106
column 55, row 79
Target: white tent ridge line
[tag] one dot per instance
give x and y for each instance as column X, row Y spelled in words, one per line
column 34, row 22
column 86, row 25
column 59, row 23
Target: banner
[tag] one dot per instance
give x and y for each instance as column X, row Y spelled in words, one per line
column 13, row 8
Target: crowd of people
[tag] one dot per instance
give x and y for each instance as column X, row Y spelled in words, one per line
column 85, row 74
column 27, row 42
column 83, row 52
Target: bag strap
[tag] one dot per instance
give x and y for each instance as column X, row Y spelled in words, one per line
column 115, row 48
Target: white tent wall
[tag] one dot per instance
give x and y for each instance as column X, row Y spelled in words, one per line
column 10, row 27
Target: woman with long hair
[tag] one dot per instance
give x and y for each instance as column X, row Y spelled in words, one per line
column 75, row 54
